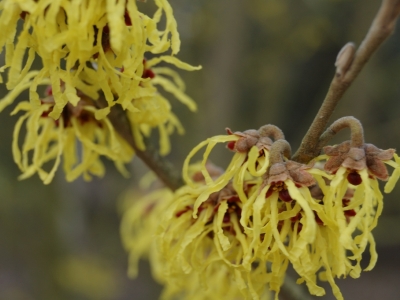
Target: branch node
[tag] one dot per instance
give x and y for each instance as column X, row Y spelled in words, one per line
column 344, row 59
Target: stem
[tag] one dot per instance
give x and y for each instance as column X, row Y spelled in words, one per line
column 349, row 66
column 271, row 131
column 356, row 129
column 159, row 165
column 279, row 148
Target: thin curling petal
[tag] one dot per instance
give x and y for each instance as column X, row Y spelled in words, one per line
column 140, row 222
column 219, row 183
column 174, row 90
column 193, row 152
column 172, row 60
column 151, row 110
column 389, row 186
column 262, row 166
column 60, row 141
column 307, row 235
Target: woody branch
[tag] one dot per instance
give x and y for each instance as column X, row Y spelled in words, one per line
column 349, row 63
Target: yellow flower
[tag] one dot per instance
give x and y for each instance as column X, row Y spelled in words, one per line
column 256, row 192
column 215, row 279
column 396, row 173
column 216, row 282
column 342, row 210
column 212, row 244
column 47, row 139
column 139, row 224
column 349, row 205
column 149, row 109
column 280, row 220
column 264, row 212
column 251, row 160
column 356, row 172
column 90, row 49
column 90, row 45
column 289, row 213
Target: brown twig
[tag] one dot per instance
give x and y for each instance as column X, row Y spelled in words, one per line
column 349, row 64
column 158, row 164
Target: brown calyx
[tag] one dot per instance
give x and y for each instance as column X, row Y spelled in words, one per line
column 279, row 172
column 358, row 158
column 282, row 169
column 263, row 138
column 247, row 139
column 344, row 155
column 375, row 158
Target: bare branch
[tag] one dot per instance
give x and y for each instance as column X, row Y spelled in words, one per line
column 349, row 66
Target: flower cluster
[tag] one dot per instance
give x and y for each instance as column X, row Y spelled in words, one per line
column 47, row 139
column 265, row 212
column 140, row 232
column 94, row 50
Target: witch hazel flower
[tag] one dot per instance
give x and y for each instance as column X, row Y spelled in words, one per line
column 94, row 50
column 201, row 228
column 277, row 215
column 148, row 109
column 213, row 239
column 351, row 201
column 265, row 212
column 48, row 140
column 262, row 138
column 280, row 218
column 250, row 161
column 356, row 166
column 86, row 45
column 139, row 224
column 140, row 227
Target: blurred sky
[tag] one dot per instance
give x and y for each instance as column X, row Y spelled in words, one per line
column 264, row 61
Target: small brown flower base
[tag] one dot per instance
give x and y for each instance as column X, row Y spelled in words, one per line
column 356, row 159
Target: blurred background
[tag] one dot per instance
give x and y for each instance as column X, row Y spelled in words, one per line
column 264, row 61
